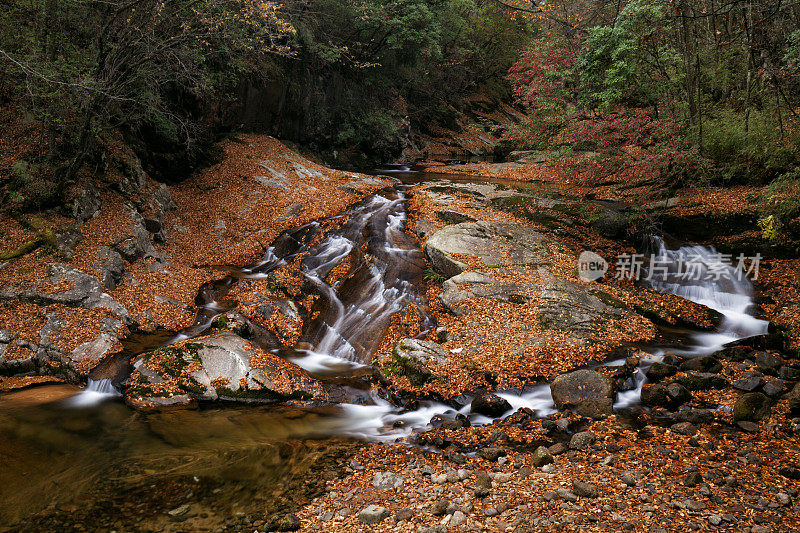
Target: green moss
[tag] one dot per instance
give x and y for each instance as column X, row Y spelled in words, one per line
column 609, row 300
column 261, row 394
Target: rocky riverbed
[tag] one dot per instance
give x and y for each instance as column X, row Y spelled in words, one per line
column 444, row 322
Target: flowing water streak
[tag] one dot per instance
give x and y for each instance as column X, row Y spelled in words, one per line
column 384, row 277
column 712, row 283
column 697, row 273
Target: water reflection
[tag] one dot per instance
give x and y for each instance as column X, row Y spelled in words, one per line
column 58, row 460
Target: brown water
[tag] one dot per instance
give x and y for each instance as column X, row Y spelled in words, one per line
column 108, row 467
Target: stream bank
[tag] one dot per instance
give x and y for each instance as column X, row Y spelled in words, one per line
column 511, row 313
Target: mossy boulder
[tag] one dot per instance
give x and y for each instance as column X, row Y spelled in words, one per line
column 752, row 407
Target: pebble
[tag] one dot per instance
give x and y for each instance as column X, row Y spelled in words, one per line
column 584, row 490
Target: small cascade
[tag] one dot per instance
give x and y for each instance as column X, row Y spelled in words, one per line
column 96, row 392
column 699, row 274
column 710, row 282
column 382, row 279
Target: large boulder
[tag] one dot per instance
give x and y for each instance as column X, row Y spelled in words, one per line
column 581, row 387
column 468, row 285
column 752, row 407
column 704, row 363
column 220, row 366
column 572, row 307
column 490, row 405
column 669, row 396
column 496, row 244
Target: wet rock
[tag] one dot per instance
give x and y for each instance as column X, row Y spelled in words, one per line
column 655, row 395
column 373, row 514
column 387, row 480
column 752, row 407
column 481, row 239
column 768, row 363
column 705, row 363
column 678, row 394
column 583, row 489
column 749, row 384
column 668, row 396
column 580, row 386
column 734, row 353
column 492, row 453
column 541, row 456
column 659, row 371
column 699, row 381
column 789, row 373
column 582, row 440
column 773, row 389
column 490, row 405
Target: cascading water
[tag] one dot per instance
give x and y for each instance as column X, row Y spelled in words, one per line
column 96, row 391
column 709, row 281
column 384, row 276
column 699, row 274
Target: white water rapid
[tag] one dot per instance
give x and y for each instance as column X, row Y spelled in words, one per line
column 700, row 274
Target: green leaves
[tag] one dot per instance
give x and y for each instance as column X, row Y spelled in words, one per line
column 617, row 63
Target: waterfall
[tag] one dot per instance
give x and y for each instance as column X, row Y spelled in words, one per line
column 96, row 392
column 699, row 274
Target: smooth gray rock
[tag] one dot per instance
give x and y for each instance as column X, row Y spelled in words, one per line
column 496, row 244
column 373, row 514
column 387, row 480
